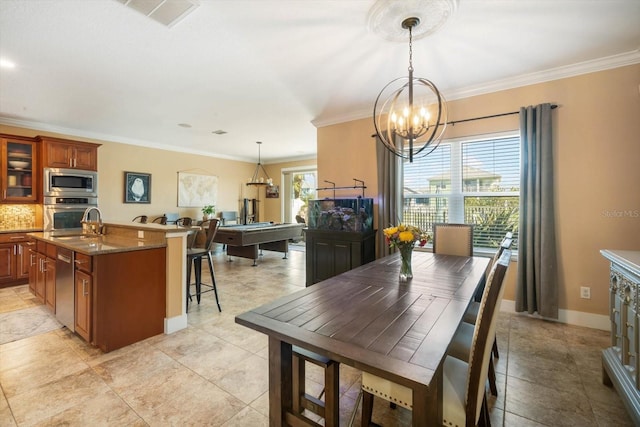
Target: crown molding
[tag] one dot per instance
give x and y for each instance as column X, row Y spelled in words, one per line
column 76, row 133
column 586, row 67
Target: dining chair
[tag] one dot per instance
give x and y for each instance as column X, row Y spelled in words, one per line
column 461, row 344
column 463, row 393
column 184, row 221
column 172, row 217
column 229, row 217
column 453, row 239
column 195, row 256
column 142, row 219
column 329, row 409
column 160, row 220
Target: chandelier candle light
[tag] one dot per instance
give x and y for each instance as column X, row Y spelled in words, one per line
column 410, row 120
column 254, row 180
column 404, row 237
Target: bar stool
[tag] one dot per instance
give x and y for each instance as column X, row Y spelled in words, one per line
column 195, row 256
column 329, row 410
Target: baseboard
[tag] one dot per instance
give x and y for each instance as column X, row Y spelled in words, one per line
column 173, row 324
column 570, row 317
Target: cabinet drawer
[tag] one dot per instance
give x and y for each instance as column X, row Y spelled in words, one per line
column 13, row 237
column 83, row 262
column 51, row 251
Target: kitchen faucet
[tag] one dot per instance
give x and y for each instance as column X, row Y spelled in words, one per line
column 91, row 226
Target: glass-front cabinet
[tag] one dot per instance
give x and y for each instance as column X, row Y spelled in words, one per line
column 19, row 167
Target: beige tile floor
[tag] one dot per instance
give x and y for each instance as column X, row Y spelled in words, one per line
column 215, row 372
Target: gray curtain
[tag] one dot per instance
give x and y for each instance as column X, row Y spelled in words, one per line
column 389, row 193
column 537, row 288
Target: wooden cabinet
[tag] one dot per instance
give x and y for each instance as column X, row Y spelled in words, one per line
column 83, row 290
column 329, row 253
column 621, row 361
column 14, row 258
column 43, row 275
column 62, row 153
column 20, row 173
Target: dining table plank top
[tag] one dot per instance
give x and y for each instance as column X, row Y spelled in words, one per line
column 368, row 319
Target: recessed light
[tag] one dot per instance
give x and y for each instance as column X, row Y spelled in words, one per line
column 184, row 125
column 219, row 132
column 5, row 63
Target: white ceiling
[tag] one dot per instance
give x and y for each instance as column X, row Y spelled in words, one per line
column 273, row 70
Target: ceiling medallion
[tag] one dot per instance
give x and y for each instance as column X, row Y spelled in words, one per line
column 385, row 17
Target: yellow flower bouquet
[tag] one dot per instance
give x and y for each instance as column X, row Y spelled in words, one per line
column 404, row 237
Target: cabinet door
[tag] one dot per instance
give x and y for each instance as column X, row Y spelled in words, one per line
column 7, row 262
column 33, row 269
column 83, row 283
column 85, row 157
column 50, row 283
column 20, row 171
column 59, row 155
column 40, row 277
column 24, row 260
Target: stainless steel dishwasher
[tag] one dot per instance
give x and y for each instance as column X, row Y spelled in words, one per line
column 65, row 289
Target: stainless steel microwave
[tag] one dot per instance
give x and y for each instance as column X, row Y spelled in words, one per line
column 70, row 183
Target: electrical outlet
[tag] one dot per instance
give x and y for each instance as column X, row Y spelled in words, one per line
column 585, row 292
column 140, row 234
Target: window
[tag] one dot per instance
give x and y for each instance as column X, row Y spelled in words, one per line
column 473, row 181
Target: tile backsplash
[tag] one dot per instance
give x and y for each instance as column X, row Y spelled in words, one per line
column 17, row 217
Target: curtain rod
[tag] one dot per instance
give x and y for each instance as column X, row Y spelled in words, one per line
column 453, row 122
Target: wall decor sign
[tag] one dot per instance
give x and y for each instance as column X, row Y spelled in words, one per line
column 196, row 190
column 137, row 187
column 273, row 192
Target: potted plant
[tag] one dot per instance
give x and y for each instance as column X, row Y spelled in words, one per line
column 208, row 211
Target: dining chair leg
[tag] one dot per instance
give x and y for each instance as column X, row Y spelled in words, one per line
column 188, row 283
column 198, row 268
column 492, row 378
column 367, row 408
column 494, row 349
column 213, row 280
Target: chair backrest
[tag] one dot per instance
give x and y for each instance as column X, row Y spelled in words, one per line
column 483, row 337
column 184, row 221
column 505, row 244
column 160, row 220
column 214, row 224
column 142, row 219
column 172, row 217
column 453, row 239
column 229, row 216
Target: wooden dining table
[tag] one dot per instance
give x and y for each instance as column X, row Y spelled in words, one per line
column 366, row 318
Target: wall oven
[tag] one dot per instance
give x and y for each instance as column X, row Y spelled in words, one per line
column 70, row 183
column 65, row 213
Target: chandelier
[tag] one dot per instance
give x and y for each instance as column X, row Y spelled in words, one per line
column 410, row 113
column 256, row 179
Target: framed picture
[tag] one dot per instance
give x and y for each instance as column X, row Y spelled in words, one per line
column 137, row 187
column 273, row 191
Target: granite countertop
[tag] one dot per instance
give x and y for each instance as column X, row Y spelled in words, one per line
column 97, row 244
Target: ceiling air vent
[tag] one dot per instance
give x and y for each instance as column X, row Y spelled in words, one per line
column 166, row 12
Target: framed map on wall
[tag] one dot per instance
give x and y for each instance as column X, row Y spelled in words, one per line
column 196, row 190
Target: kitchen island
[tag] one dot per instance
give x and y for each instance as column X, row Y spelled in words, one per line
column 128, row 283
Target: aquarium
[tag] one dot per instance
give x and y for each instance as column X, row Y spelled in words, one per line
column 353, row 214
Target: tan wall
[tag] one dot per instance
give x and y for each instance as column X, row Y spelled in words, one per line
column 596, row 132
column 114, row 159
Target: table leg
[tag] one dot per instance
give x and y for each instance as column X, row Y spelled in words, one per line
column 280, row 381
column 429, row 413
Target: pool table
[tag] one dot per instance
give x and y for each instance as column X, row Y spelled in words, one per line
column 246, row 240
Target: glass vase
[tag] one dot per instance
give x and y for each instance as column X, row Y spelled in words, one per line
column 406, row 273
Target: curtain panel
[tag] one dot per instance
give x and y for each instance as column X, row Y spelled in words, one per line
column 390, row 198
column 537, row 283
